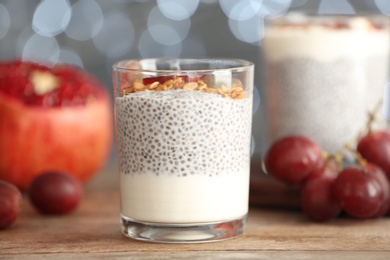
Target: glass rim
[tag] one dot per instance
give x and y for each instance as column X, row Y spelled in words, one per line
column 239, row 65
column 303, row 17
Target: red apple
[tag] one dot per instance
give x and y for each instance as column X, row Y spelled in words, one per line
column 51, row 119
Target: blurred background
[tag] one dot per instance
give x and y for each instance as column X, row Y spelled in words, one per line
column 93, row 34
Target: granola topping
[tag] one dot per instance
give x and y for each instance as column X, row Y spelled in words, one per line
column 236, row 91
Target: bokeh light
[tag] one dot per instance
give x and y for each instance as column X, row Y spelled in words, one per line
column 241, row 10
column 113, row 26
column 209, row 2
column 86, row 20
column 167, row 31
column 20, row 13
column 274, row 8
column 335, row 7
column 164, row 34
column 383, row 6
column 192, row 47
column 177, row 9
column 23, row 36
column 41, row 49
column 296, row 3
column 250, row 31
column 51, row 17
column 5, row 21
column 246, row 17
column 148, row 47
column 69, row 56
column 116, row 37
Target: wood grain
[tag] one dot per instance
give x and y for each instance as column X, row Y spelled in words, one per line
column 94, row 231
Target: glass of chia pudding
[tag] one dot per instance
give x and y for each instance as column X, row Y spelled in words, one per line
column 323, row 75
column 183, row 130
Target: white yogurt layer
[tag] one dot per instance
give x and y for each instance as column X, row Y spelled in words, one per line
column 324, row 43
column 184, row 200
column 183, row 156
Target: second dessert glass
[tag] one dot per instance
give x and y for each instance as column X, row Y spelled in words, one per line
column 323, row 75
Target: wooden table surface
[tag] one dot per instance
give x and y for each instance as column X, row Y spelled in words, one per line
column 93, row 231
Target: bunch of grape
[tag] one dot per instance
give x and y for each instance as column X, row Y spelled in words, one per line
column 327, row 185
column 52, row 192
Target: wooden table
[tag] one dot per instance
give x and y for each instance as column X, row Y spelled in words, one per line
column 93, row 231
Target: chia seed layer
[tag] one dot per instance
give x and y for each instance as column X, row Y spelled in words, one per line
column 327, row 101
column 179, row 132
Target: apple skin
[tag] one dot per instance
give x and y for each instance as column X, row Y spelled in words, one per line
column 34, row 140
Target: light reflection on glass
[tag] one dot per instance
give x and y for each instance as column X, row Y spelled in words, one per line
column 386, row 101
column 253, row 145
column 256, row 99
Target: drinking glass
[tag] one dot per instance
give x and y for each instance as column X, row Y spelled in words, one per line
column 183, row 131
column 324, row 74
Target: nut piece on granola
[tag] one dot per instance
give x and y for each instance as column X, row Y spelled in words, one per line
column 190, row 86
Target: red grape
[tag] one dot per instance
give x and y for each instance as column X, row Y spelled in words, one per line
column 375, row 148
column 55, row 193
column 360, row 191
column 291, row 159
column 318, row 201
column 379, row 173
column 10, row 202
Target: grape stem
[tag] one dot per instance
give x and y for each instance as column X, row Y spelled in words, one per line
column 336, row 157
column 372, row 116
column 351, row 146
